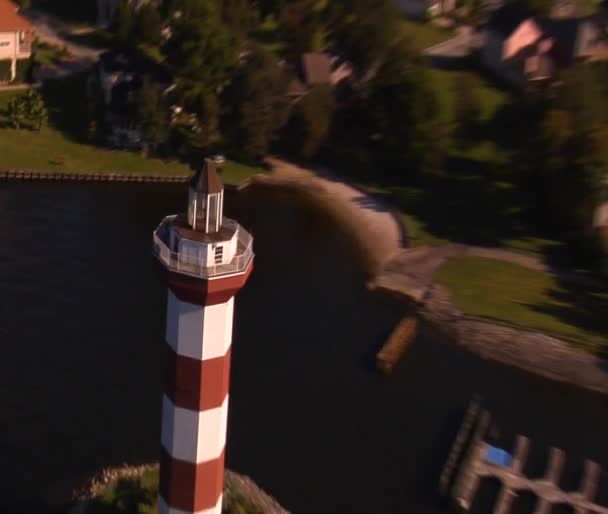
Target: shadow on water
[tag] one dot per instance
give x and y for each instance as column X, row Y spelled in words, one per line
column 80, row 374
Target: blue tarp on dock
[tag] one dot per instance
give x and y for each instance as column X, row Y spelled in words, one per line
column 498, row 456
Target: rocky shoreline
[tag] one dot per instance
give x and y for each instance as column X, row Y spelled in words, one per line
column 533, row 352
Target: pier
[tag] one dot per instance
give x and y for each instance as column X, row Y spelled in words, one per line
column 476, row 466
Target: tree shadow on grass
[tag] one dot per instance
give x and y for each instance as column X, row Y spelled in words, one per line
column 472, row 203
column 584, row 306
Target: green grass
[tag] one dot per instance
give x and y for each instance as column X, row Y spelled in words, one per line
column 57, row 152
column 139, row 496
column 424, row 34
column 529, row 299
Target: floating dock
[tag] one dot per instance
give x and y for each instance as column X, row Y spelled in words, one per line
column 475, row 466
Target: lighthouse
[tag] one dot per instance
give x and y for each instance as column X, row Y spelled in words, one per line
column 207, row 258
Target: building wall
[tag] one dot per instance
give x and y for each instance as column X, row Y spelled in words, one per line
column 12, row 49
column 525, row 35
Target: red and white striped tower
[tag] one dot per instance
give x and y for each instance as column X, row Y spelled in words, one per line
column 208, row 258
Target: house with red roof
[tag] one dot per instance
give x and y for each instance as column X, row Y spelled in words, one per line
column 15, row 39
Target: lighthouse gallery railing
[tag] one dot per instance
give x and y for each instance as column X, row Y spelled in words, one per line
column 244, row 254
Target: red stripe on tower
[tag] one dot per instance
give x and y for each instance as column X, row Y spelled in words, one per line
column 208, row 259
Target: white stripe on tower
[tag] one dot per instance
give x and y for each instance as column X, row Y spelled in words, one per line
column 195, row 406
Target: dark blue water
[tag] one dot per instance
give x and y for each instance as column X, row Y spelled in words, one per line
column 81, row 328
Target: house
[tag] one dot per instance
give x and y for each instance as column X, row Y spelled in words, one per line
column 520, row 47
column 117, row 79
column 16, row 35
column 315, row 69
column 425, row 8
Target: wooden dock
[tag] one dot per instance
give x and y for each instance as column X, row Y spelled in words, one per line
column 397, row 344
column 475, row 467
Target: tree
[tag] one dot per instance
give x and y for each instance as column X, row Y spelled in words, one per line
column 466, row 106
column 310, row 122
column 241, row 16
column 256, row 105
column 151, row 114
column 363, row 31
column 405, row 125
column 201, row 50
column 123, row 22
column 148, row 24
column 302, row 25
column 27, row 108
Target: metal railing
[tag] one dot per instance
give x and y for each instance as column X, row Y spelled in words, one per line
column 242, row 258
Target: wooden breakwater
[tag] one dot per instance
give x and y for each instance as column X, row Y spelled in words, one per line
column 396, row 345
column 90, row 177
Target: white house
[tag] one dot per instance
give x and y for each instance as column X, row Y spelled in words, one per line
column 15, row 37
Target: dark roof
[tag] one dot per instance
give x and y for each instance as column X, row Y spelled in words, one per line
column 317, row 68
column 206, row 180
column 507, row 18
column 225, row 233
column 115, row 61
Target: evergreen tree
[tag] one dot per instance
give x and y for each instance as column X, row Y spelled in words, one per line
column 148, row 24
column 201, row 49
column 310, row 123
column 123, row 23
column 151, row 114
column 255, row 105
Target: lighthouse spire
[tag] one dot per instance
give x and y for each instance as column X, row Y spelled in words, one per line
column 206, row 199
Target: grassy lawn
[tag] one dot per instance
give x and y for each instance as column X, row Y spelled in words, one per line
column 56, row 151
column 424, row 34
column 502, row 291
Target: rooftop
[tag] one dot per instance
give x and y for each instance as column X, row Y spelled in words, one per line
column 206, row 180
column 10, row 19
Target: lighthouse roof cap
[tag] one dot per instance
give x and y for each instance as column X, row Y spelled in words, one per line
column 206, row 180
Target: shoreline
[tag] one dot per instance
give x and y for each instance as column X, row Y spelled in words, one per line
column 408, row 275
